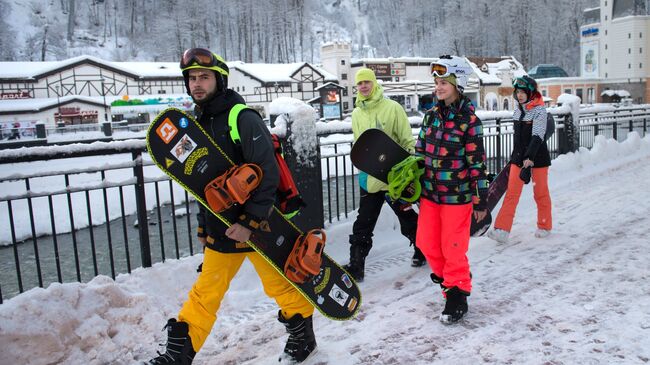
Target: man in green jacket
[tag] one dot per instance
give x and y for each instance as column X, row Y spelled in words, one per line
column 373, row 111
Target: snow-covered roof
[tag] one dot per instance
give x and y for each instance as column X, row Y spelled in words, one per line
column 39, row 104
column 489, row 68
column 329, row 84
column 420, row 60
column 276, row 72
column 621, row 93
column 566, row 80
column 36, row 70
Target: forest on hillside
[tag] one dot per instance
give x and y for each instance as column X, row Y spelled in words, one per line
column 281, row 31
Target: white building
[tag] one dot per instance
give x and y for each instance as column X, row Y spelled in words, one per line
column 87, row 89
column 615, row 45
column 408, row 79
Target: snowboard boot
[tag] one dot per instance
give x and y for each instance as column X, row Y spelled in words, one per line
column 418, row 259
column 301, row 341
column 356, row 267
column 179, row 345
column 455, row 307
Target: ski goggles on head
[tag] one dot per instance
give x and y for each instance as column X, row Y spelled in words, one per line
column 439, row 70
column 201, row 57
column 521, row 83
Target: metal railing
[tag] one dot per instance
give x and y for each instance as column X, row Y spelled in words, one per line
column 109, row 215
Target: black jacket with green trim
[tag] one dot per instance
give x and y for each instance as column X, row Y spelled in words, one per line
column 256, row 147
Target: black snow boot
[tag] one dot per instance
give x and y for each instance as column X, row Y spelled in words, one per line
column 301, row 341
column 179, row 345
column 456, row 305
column 357, row 264
column 418, row 259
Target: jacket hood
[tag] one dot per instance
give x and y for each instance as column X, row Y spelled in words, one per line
column 371, row 100
column 536, row 100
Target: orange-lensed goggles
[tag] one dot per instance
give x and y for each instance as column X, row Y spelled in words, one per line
column 199, row 56
column 438, row 70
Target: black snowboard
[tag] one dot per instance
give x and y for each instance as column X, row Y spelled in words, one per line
column 183, row 150
column 375, row 153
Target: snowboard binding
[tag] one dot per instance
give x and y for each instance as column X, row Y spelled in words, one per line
column 234, row 186
column 306, row 256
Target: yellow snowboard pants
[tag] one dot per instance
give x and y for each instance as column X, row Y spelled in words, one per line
column 200, row 310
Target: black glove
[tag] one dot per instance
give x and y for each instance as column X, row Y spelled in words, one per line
column 524, row 174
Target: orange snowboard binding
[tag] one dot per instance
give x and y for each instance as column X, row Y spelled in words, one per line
column 235, row 186
column 306, row 256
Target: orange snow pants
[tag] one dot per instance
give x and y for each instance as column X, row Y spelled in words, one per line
column 443, row 238
column 200, row 310
column 540, row 191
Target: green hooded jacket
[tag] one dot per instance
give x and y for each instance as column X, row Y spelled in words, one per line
column 387, row 115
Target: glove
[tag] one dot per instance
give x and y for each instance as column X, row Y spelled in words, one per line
column 524, row 175
column 400, row 204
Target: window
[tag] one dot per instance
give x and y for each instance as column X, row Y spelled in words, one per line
column 605, row 74
column 629, row 51
column 579, row 94
column 344, row 76
column 567, row 91
column 314, row 84
column 605, row 60
column 345, row 91
column 605, row 46
column 243, row 88
column 590, row 95
column 505, row 104
column 605, row 17
column 605, row 31
column 162, row 91
column 640, row 34
column 342, row 62
column 629, row 65
column 629, row 36
column 237, row 88
column 640, row 50
column 544, row 92
column 299, row 85
column 345, row 105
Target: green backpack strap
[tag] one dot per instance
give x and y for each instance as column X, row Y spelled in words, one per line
column 232, row 121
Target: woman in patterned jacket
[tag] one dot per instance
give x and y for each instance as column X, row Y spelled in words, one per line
column 454, row 183
column 529, row 153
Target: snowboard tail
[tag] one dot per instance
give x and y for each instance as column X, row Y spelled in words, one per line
column 182, row 149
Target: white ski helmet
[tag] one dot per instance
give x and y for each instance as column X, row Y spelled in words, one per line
column 448, row 65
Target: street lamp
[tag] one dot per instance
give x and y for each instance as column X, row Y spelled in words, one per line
column 104, row 95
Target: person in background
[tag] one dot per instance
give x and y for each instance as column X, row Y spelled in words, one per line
column 206, row 80
column 529, row 159
column 372, row 110
column 454, row 183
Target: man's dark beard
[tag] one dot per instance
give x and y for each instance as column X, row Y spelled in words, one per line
column 208, row 97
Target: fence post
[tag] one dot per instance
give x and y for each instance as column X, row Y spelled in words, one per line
column 107, row 129
column 308, row 177
column 568, row 140
column 498, row 165
column 40, row 130
column 141, row 210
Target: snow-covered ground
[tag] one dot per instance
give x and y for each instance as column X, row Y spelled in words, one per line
column 579, row 296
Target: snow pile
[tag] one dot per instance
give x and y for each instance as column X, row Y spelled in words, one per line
column 301, row 118
column 574, row 103
column 603, row 153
